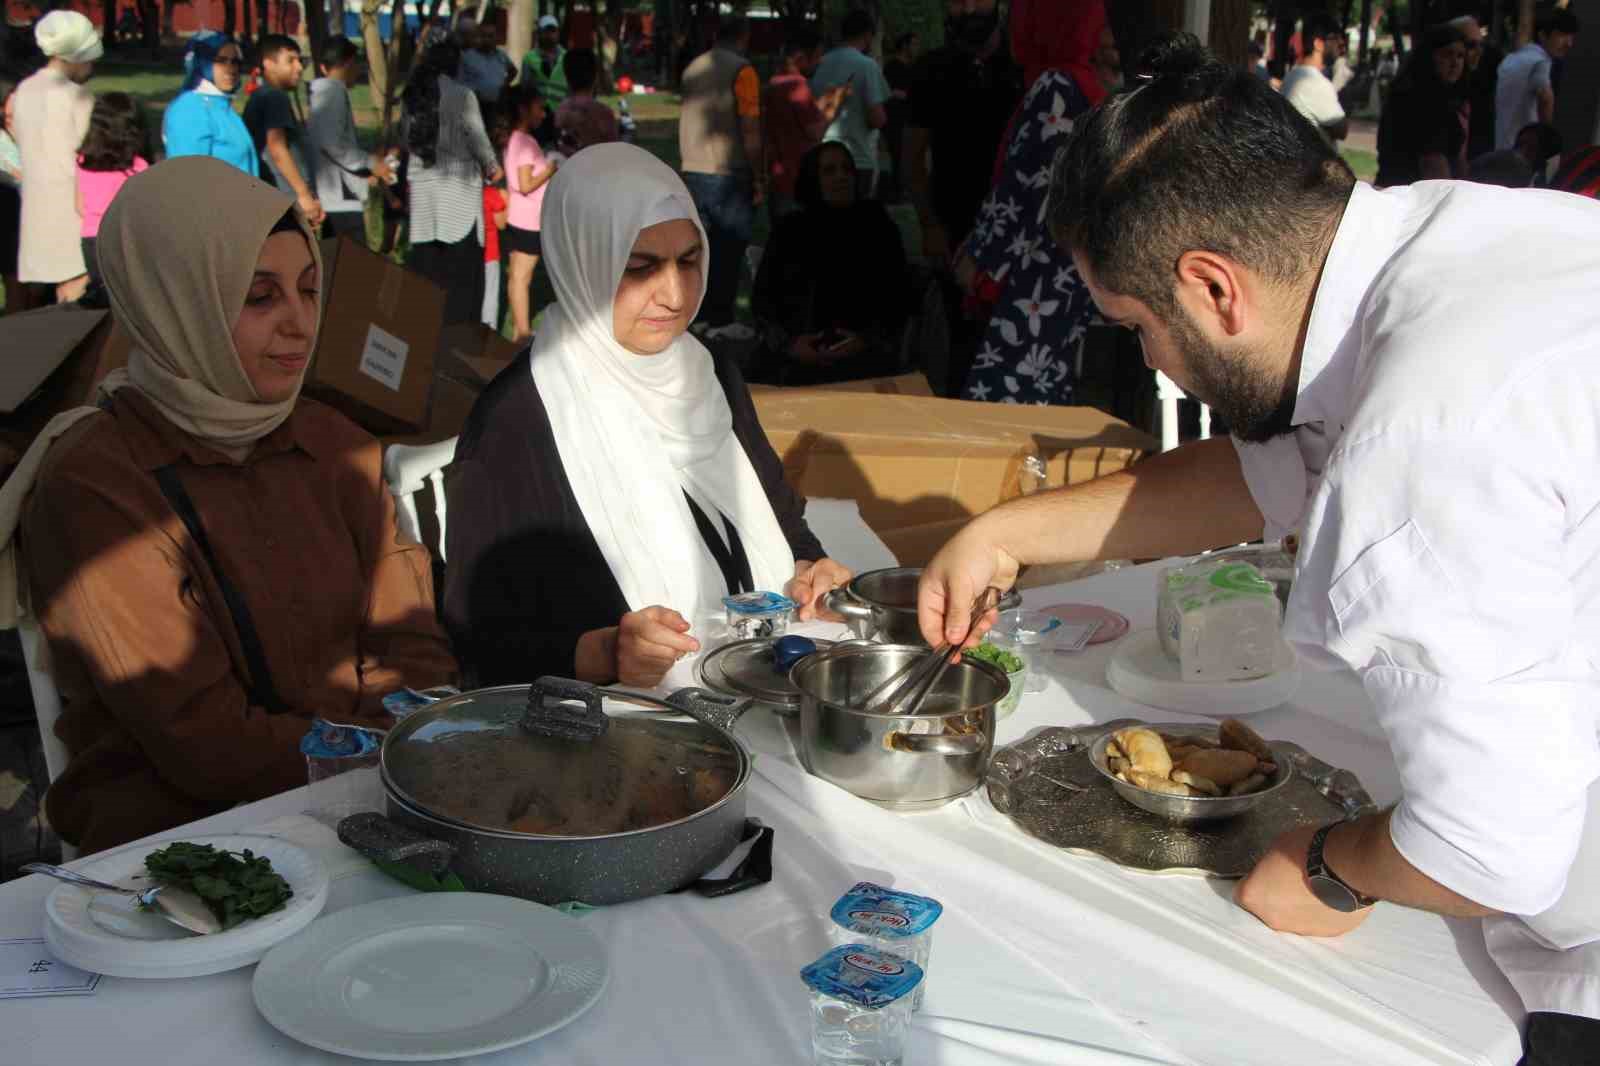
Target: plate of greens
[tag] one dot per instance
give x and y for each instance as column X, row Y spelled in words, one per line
column 261, row 888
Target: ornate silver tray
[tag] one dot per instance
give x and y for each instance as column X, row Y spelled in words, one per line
column 1047, row 786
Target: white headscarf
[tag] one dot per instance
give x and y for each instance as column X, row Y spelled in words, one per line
column 68, row 35
column 635, row 432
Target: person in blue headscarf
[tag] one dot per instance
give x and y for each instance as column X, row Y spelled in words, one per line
column 202, row 121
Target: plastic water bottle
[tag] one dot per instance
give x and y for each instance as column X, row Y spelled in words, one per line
column 860, row 1006
column 627, row 127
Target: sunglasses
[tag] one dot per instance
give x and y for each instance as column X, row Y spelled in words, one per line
column 228, row 61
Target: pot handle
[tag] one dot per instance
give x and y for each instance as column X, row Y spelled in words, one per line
column 384, row 840
column 711, row 708
column 841, row 603
column 922, row 744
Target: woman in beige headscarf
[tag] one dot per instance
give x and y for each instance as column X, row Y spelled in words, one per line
column 207, row 501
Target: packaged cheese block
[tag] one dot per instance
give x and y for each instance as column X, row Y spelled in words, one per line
column 1219, row 620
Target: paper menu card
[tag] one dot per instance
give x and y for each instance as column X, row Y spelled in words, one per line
column 28, row 969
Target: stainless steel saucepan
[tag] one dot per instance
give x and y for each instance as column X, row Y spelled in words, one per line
column 881, row 605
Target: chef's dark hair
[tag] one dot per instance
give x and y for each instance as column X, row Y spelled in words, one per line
column 1199, row 155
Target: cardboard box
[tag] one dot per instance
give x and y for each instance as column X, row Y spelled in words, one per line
column 469, row 359
column 51, row 360
column 920, row 467
column 913, row 384
column 379, row 340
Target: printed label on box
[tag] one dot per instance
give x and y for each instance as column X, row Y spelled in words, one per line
column 384, row 358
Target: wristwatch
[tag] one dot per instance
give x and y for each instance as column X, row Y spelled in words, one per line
column 1326, row 885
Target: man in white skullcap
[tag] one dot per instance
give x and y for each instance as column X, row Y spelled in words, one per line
column 52, row 115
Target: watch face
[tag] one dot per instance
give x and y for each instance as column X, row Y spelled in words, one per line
column 1333, row 894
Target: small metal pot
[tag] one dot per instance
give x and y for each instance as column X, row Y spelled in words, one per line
column 881, row 605
column 648, row 807
column 903, row 762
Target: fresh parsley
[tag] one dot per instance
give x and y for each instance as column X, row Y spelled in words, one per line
column 997, row 656
column 236, row 885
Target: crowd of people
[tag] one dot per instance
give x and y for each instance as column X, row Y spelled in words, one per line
column 1456, row 107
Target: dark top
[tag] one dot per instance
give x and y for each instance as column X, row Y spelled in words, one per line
column 273, row 109
column 1481, row 85
column 897, row 72
column 1416, row 122
column 965, row 105
column 525, row 578
column 833, row 268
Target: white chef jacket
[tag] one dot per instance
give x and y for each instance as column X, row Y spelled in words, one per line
column 1444, row 472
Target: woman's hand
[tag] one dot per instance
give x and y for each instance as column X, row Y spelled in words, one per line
column 649, row 642
column 812, row 581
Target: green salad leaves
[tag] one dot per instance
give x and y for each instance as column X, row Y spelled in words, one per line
column 236, row 885
column 997, row 656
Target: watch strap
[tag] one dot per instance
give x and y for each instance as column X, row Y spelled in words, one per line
column 1317, row 866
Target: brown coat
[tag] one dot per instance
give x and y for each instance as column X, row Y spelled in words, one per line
column 156, row 714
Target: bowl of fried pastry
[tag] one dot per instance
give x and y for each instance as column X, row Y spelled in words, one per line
column 1185, row 774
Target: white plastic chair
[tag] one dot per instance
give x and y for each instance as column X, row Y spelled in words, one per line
column 1167, row 396
column 46, row 704
column 408, row 469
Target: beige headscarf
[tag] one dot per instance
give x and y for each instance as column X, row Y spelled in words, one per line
column 178, row 250
column 68, row 35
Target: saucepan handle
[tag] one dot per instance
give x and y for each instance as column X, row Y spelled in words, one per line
column 379, row 838
column 921, row 744
column 841, row 603
column 712, row 708
column 1010, row 601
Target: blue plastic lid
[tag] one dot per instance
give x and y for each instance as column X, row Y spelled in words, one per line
column 861, row 975
column 328, row 741
column 758, row 603
column 873, row 910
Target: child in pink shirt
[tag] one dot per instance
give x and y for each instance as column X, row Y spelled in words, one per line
column 108, row 157
column 527, row 171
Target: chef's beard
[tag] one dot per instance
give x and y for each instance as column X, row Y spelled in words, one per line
column 970, row 32
column 1232, row 383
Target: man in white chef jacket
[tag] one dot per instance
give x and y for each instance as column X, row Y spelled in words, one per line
column 1431, row 429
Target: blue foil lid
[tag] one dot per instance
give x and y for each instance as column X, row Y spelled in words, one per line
column 758, row 603
column 873, row 910
column 327, row 741
column 861, row 975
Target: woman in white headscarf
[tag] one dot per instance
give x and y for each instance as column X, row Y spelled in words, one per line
column 212, row 559
column 614, row 484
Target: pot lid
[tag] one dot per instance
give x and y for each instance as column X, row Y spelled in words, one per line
column 469, row 760
column 747, row 668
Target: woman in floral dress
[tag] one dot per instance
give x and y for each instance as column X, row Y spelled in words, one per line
column 1039, row 309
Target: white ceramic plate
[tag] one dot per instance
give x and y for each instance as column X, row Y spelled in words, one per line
column 105, row 933
column 1141, row 671
column 440, row 975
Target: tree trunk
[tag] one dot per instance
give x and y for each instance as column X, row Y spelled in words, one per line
column 150, row 23
column 1524, row 22
column 1366, row 32
column 377, row 54
column 230, row 17
column 520, row 16
column 314, row 15
column 1230, row 31
column 263, row 19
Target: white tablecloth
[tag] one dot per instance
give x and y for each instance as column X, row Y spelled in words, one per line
column 1041, row 957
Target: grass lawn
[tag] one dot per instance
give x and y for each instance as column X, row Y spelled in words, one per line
column 1364, row 163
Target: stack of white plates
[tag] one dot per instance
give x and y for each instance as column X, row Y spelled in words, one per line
column 106, row 933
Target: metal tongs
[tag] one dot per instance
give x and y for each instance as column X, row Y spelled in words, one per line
column 909, row 686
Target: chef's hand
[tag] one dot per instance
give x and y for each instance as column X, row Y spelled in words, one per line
column 807, row 349
column 649, row 642
column 964, row 567
column 813, row 581
column 1277, row 892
